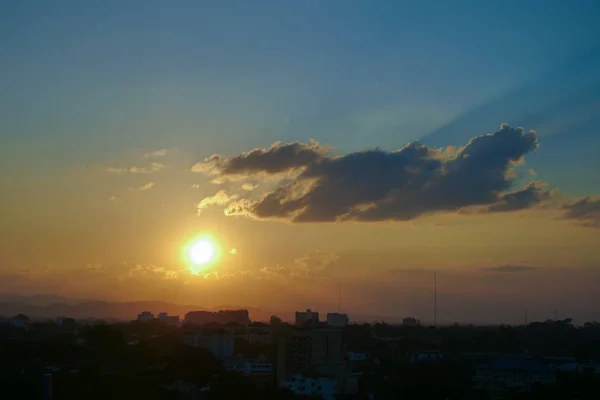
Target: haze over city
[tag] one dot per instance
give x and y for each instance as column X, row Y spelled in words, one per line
column 275, row 155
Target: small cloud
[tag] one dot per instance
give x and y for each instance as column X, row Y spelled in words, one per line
column 145, row 187
column 233, row 251
column 195, row 186
column 532, row 172
column 156, row 153
column 249, row 187
column 112, row 198
column 511, row 268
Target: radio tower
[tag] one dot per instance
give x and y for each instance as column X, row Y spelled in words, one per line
column 435, row 298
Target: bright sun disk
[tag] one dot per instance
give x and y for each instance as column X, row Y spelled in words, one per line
column 201, row 252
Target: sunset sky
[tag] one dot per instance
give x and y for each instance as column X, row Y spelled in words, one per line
column 315, row 144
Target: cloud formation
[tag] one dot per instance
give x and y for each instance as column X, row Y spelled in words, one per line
column 511, row 268
column 221, row 198
column 154, row 167
column 585, row 210
column 277, row 159
column 316, row 264
column 145, row 187
column 156, row 153
column 376, row 185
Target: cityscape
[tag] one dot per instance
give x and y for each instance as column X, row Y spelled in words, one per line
column 299, row 199
column 224, row 354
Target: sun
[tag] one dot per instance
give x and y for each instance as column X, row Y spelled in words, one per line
column 201, row 252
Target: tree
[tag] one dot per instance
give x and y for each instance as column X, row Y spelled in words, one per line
column 274, row 320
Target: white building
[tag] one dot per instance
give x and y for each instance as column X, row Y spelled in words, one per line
column 301, row 385
column 302, row 318
column 337, row 320
column 145, row 316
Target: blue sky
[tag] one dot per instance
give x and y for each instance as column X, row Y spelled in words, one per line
column 87, row 88
column 103, row 76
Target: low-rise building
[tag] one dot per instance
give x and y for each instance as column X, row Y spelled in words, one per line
column 515, row 373
column 172, row 320
column 432, row 356
column 324, row 387
column 355, row 357
column 20, row 321
column 410, row 321
column 337, row 320
column 145, row 316
column 307, row 317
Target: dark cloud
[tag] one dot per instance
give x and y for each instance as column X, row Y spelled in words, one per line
column 276, row 159
column 511, row 268
column 375, row 185
column 527, row 197
column 585, row 210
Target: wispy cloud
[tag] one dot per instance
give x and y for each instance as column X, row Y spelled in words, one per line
column 156, row 153
column 145, row 187
column 153, row 167
column 511, row 268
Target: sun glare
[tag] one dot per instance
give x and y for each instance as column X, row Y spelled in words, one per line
column 200, row 253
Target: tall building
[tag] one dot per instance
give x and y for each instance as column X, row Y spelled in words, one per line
column 337, row 320
column 314, row 351
column 304, row 318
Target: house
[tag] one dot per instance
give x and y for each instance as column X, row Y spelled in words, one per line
column 20, row 321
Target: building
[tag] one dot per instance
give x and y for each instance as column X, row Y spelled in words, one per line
column 308, row 317
column 145, row 316
column 323, row 387
column 496, row 376
column 352, row 356
column 219, row 344
column 259, row 338
column 410, row 322
column 314, row 351
column 20, row 321
column 220, row 317
column 337, row 320
column 66, row 322
column 431, row 356
column 172, row 320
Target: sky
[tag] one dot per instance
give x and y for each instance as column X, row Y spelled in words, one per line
column 317, row 144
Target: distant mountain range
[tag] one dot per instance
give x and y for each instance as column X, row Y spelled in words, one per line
column 49, row 306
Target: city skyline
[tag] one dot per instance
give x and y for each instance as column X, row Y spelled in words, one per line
column 269, row 153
